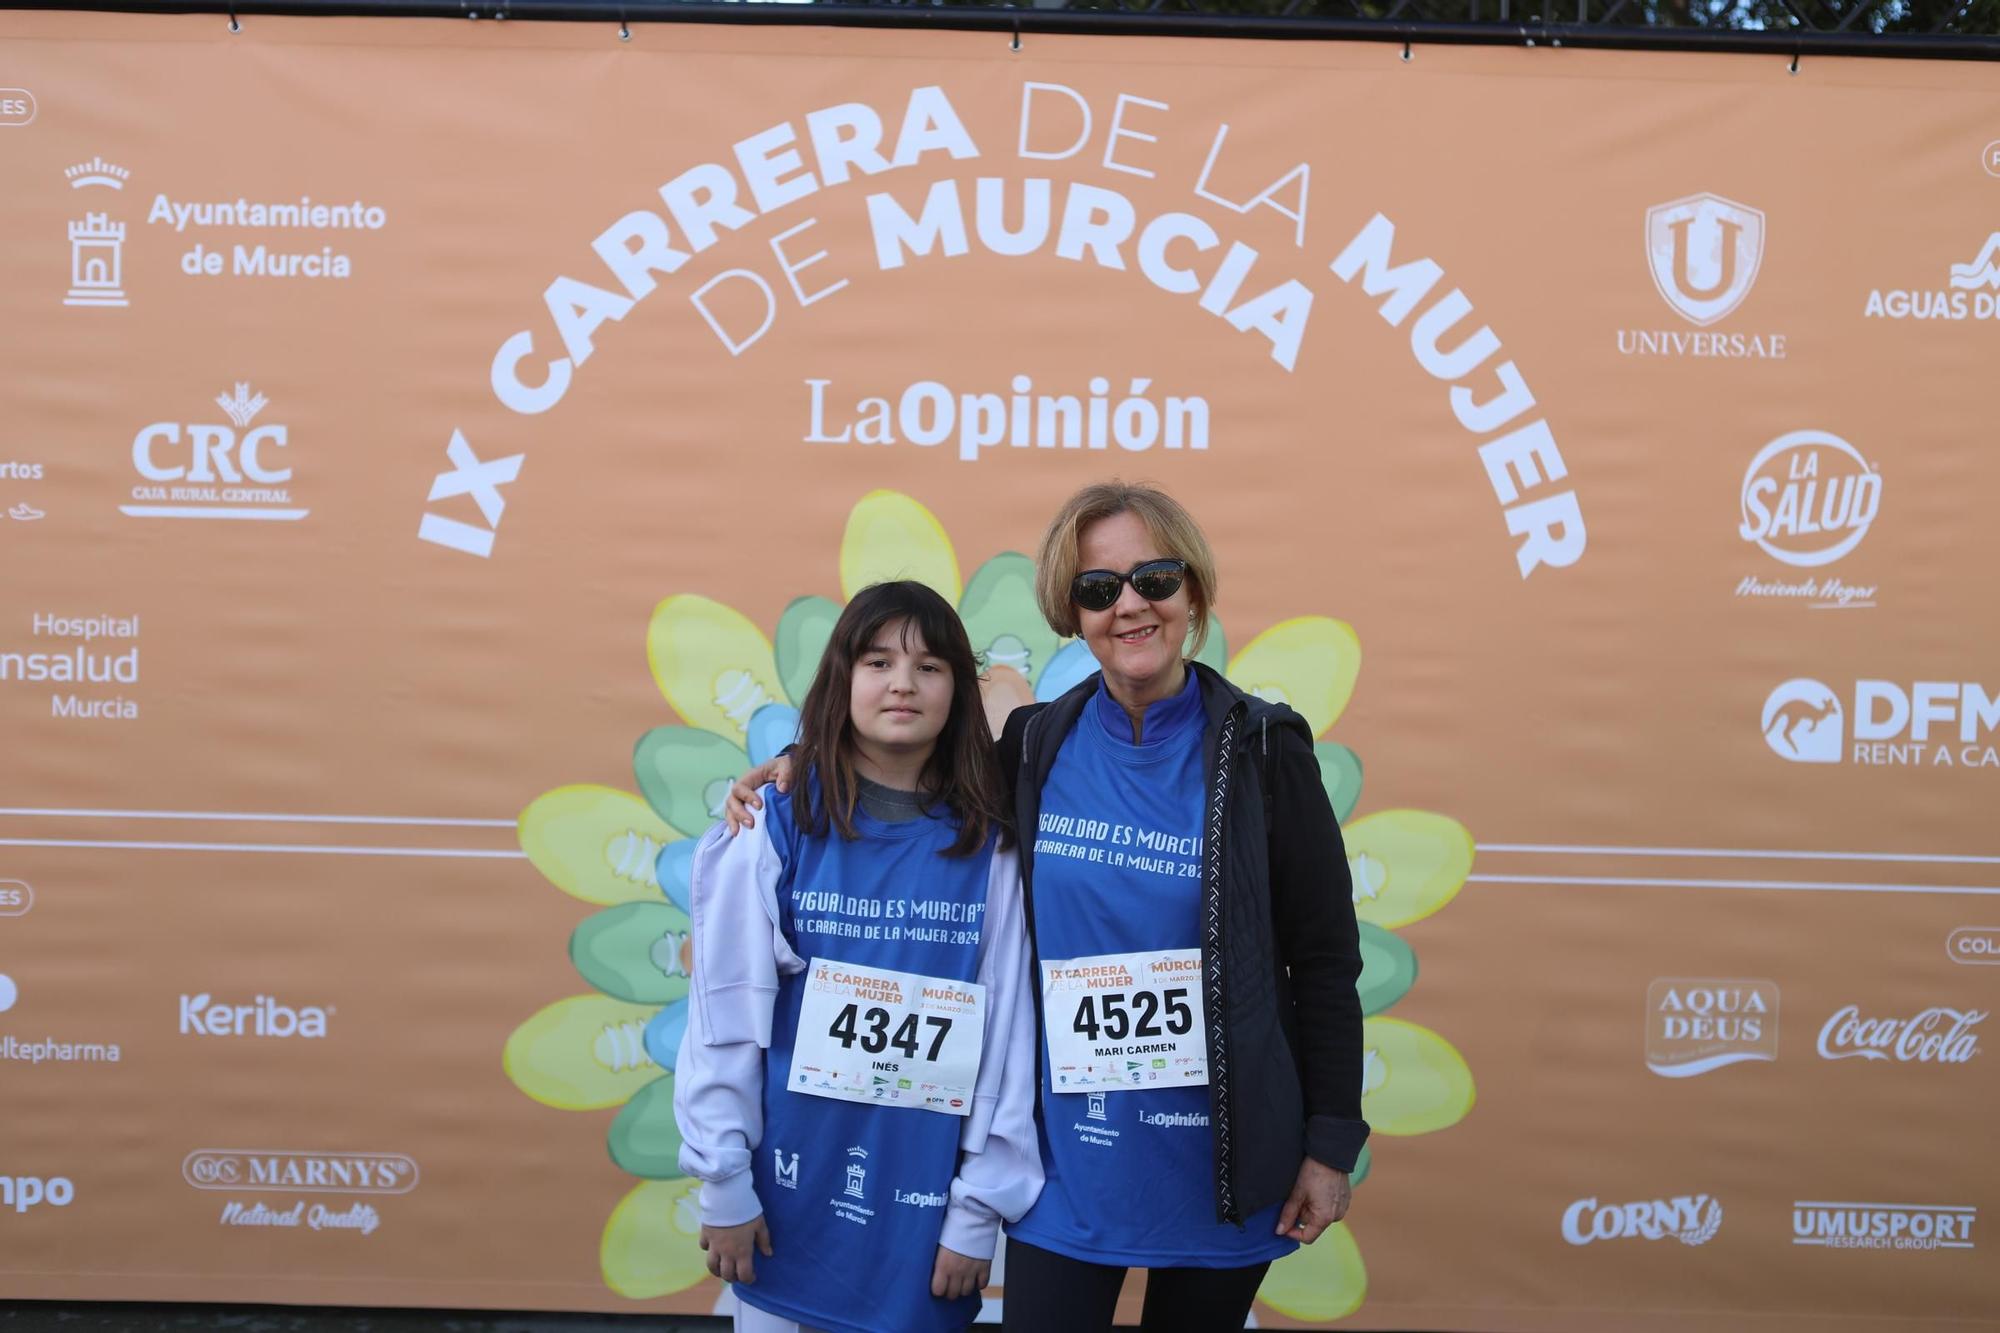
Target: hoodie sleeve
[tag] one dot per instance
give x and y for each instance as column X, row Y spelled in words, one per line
column 739, row 954
column 1000, row 1164
column 1312, row 898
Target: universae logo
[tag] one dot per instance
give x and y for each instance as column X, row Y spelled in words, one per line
column 1704, row 252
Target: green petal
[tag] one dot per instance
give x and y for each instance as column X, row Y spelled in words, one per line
column 644, row 1138
column 1361, row 1166
column 684, row 774
column 1388, row 969
column 1340, row 773
column 1318, row 1282
column 1215, row 653
column 803, row 631
column 635, row 952
column 1002, row 618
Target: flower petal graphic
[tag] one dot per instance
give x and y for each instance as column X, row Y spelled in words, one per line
column 1309, row 662
column 1001, row 618
column 581, row 1053
column 1361, row 1165
column 651, row 1241
column 1406, row 864
column 1072, row 663
column 664, row 1031
column 1340, row 774
column 675, row 871
column 685, row 774
column 636, row 952
column 644, row 1139
column 891, row 536
column 1418, row 1082
column 1215, row 653
column 714, row 666
column 772, row 728
column 803, row 631
column 595, row 843
column 1321, row 1281
column 1388, row 969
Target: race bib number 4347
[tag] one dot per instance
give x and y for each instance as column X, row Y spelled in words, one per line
column 870, row 1034
column 1117, row 1022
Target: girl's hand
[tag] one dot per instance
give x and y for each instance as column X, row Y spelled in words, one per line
column 732, row 1250
column 957, row 1275
column 743, row 797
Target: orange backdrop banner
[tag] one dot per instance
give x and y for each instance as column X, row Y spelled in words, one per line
column 434, row 454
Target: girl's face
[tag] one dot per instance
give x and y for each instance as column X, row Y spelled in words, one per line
column 899, row 695
column 1136, row 642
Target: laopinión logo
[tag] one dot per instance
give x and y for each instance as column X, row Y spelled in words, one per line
column 209, row 470
column 1969, row 291
column 1937, row 1035
column 1882, row 1226
column 264, row 1016
column 1927, row 723
column 1696, row 1025
column 1691, row 1219
column 1704, row 253
column 1807, row 500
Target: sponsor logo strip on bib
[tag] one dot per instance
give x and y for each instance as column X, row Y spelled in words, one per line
column 1117, row 1022
column 887, row 1038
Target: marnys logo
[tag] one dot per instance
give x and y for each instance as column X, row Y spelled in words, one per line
column 1803, row 722
column 1808, row 498
column 1972, row 293
column 215, row 473
column 1698, row 1024
column 310, row 1172
column 1690, row 1219
column 1882, row 1226
column 262, row 1017
column 1704, row 252
column 1936, row 1036
column 24, row 1192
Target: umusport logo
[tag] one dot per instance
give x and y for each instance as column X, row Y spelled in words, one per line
column 308, row 1172
column 1803, row 722
column 1691, row 1219
column 1883, row 1226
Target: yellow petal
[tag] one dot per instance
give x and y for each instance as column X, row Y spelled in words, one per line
column 582, row 1053
column 651, row 1244
column 1321, row 1281
column 714, row 666
column 1406, row 864
column 1309, row 662
column 1418, row 1083
column 891, row 536
column 596, row 843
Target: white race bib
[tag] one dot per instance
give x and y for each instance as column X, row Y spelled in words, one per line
column 886, row 1038
column 1116, row 1022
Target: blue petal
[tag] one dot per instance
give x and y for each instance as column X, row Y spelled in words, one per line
column 772, row 728
column 675, row 868
column 663, row 1034
column 1071, row 664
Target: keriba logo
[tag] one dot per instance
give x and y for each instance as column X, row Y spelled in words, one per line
column 1803, row 722
column 1705, row 251
column 263, row 1017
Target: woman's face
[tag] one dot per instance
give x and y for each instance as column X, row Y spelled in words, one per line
column 1137, row 643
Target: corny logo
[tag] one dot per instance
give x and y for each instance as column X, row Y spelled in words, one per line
column 1689, row 1219
column 1704, row 252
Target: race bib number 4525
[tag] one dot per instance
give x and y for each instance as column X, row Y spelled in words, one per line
column 870, row 1034
column 1117, row 1022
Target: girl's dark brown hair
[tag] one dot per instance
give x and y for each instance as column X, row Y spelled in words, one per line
column 963, row 773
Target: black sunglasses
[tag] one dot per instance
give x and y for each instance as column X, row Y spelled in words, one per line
column 1155, row 580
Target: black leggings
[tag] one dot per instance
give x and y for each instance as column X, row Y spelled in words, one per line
column 1052, row 1293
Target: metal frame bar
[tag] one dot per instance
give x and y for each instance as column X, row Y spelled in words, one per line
column 1526, row 31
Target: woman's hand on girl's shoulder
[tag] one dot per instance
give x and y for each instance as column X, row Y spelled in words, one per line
column 743, row 797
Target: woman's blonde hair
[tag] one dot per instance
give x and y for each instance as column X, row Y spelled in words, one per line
column 1171, row 527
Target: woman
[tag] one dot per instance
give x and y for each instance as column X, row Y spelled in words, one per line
column 1192, row 920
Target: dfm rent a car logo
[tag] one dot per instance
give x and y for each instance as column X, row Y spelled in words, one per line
column 1704, row 252
column 1938, row 1035
column 309, row 1172
column 1882, row 1226
column 1808, row 498
column 208, row 470
column 1689, row 1219
column 21, row 1193
column 1695, row 1025
column 1974, row 944
column 1935, row 723
column 264, row 1016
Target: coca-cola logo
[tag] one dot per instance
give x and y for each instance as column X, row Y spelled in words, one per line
column 1938, row 1035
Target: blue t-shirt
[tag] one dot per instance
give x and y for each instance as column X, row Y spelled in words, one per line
column 1131, row 1175
column 855, row 1194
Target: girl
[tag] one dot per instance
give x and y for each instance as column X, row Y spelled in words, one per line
column 856, row 1087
